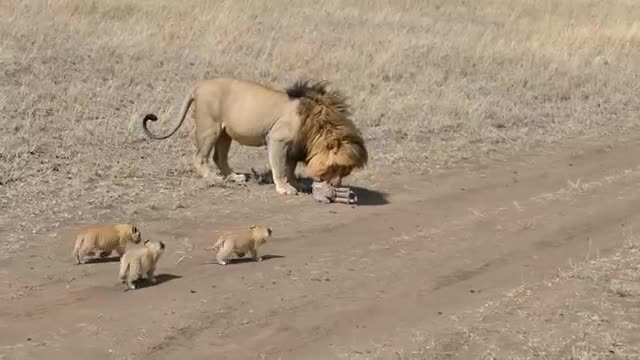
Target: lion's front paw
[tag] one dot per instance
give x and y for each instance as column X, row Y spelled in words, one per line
column 286, row 189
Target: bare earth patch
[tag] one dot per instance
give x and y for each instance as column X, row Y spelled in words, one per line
column 588, row 311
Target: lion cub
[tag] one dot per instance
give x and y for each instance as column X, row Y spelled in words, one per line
column 248, row 240
column 140, row 263
column 103, row 239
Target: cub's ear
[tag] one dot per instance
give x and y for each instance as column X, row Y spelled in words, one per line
column 134, row 229
column 146, row 241
column 161, row 245
column 269, row 231
column 252, row 227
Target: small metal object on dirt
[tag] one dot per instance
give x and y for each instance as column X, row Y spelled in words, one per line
column 325, row 193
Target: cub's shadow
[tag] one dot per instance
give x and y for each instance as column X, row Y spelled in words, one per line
column 366, row 197
column 247, row 259
column 161, row 278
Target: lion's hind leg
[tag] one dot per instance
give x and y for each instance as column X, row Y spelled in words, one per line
column 206, row 135
column 221, row 158
column 204, row 145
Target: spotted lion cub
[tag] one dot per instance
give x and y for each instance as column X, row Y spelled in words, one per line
column 248, row 240
column 140, row 263
column 103, row 239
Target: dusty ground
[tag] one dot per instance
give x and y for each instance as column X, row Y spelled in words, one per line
column 589, row 311
column 501, row 139
column 344, row 282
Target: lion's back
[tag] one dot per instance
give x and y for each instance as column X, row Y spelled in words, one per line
column 247, row 110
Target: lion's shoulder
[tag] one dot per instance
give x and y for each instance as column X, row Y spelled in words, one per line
column 317, row 94
column 304, row 89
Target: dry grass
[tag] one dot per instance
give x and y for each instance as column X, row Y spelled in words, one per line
column 431, row 82
column 590, row 311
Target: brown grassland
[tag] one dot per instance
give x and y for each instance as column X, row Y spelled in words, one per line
column 433, row 85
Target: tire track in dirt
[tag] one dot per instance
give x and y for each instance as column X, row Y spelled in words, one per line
column 444, row 281
column 390, row 268
column 375, row 230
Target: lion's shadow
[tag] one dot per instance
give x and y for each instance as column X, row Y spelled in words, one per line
column 366, row 197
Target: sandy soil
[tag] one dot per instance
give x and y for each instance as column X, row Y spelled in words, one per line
column 339, row 281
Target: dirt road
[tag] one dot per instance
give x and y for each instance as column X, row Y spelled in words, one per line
column 340, row 282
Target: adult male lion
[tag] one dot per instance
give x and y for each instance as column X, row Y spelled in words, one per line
column 303, row 123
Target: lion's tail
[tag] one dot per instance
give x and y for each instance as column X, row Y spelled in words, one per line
column 78, row 246
column 183, row 113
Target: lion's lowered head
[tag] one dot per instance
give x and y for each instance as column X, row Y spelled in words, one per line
column 333, row 145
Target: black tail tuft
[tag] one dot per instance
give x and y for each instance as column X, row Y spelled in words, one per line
column 151, row 117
